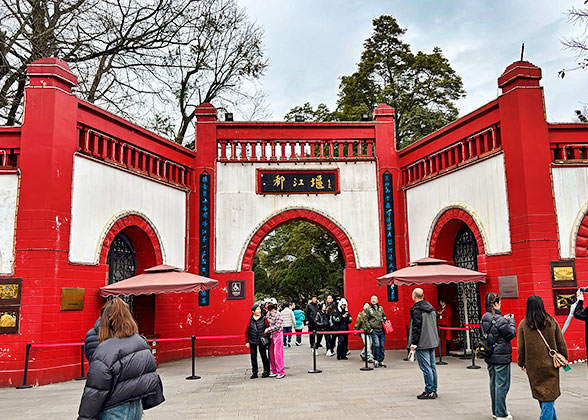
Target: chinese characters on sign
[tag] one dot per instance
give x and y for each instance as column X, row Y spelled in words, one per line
column 298, row 182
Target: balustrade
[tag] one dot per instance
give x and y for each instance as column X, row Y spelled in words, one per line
column 569, row 152
column 121, row 153
column 295, row 150
column 478, row 145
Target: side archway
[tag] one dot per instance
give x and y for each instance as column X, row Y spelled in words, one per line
column 286, row 216
column 143, row 237
column 445, row 230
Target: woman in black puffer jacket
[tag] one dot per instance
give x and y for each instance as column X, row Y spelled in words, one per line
column 122, row 380
column 500, row 330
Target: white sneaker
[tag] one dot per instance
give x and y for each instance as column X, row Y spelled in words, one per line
column 508, row 417
column 273, row 375
column 280, row 376
column 330, row 353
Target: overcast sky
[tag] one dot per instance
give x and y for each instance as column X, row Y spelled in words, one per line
column 310, row 44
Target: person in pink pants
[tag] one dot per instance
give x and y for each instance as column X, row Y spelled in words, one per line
column 275, row 320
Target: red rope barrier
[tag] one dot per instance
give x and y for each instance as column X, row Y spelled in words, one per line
column 339, row 332
column 473, row 325
column 454, row 328
column 81, row 343
column 151, row 340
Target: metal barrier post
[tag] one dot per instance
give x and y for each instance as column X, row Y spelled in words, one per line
column 193, row 376
column 473, row 365
column 366, row 367
column 82, row 347
column 314, row 369
column 26, row 370
column 440, row 362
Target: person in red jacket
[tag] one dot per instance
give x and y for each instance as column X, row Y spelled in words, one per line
column 444, row 314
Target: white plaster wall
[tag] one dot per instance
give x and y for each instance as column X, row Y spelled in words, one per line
column 479, row 189
column 102, row 193
column 8, row 203
column 240, row 211
column 570, row 188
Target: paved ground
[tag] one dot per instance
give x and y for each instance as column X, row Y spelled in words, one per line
column 341, row 391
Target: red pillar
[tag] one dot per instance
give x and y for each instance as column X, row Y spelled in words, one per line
column 527, row 159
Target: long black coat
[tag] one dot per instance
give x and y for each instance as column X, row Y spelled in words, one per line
column 122, row 370
column 499, row 335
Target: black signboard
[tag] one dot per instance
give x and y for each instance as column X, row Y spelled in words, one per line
column 392, row 293
column 298, row 182
column 235, row 290
column 204, row 298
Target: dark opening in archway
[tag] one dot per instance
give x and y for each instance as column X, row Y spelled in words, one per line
column 296, row 261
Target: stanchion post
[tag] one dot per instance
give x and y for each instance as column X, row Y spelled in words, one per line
column 473, row 365
column 314, row 369
column 26, row 370
column 193, row 376
column 408, row 347
column 365, row 340
column 440, row 362
column 82, row 377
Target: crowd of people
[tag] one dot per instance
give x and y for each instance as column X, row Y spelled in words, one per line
column 122, row 379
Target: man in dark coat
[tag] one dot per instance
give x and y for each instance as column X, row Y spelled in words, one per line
column 310, row 314
column 423, row 339
column 581, row 313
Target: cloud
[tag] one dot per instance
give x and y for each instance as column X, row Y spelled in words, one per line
column 311, row 44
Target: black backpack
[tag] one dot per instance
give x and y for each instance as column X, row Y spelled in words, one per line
column 482, row 346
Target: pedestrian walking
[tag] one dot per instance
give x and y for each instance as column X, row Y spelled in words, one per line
column 374, row 317
column 330, row 339
column 300, row 319
column 500, row 330
column 257, row 341
column 424, row 338
column 341, row 320
column 122, row 379
column 310, row 314
column 289, row 323
column 274, row 329
column 537, row 334
column 360, row 324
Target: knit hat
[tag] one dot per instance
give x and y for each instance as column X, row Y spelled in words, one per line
column 343, row 301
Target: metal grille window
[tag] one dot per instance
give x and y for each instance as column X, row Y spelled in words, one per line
column 465, row 255
column 122, row 262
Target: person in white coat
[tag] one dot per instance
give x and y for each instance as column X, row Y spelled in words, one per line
column 289, row 323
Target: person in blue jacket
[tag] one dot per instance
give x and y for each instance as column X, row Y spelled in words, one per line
column 300, row 318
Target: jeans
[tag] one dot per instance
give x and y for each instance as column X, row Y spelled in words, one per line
column 426, row 359
column 128, row 411
column 369, row 346
column 499, row 386
column 287, row 338
column 253, row 348
column 299, row 337
column 547, row 410
column 378, row 341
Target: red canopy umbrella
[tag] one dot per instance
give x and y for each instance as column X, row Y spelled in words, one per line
column 431, row 271
column 159, row 279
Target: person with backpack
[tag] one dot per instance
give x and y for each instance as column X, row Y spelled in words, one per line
column 289, row 322
column 498, row 331
column 538, row 336
column 341, row 320
column 321, row 321
column 374, row 317
column 310, row 314
column 360, row 324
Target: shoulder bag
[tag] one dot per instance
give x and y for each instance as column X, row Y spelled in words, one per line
column 558, row 359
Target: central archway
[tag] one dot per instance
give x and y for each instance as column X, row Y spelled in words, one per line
column 286, row 216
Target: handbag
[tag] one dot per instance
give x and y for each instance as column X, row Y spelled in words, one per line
column 558, row 359
column 264, row 341
column 388, row 328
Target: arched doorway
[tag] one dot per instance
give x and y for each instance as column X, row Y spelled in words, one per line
column 132, row 250
column 456, row 237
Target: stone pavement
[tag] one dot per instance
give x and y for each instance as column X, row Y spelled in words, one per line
column 341, row 391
